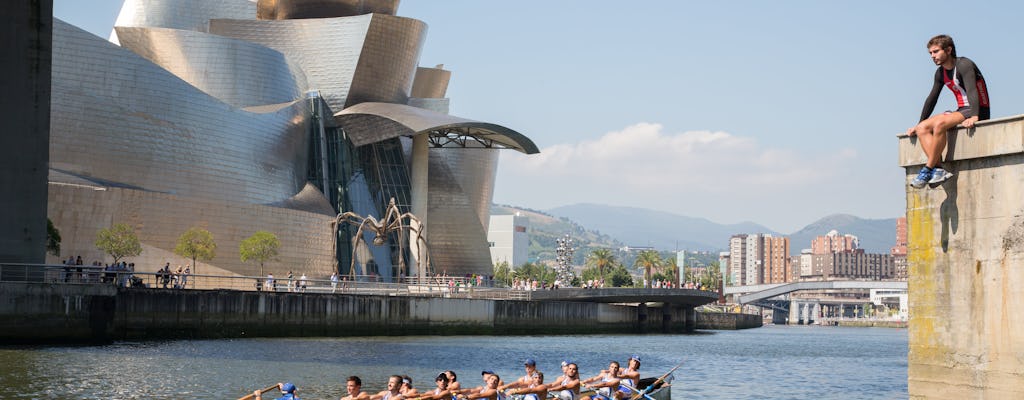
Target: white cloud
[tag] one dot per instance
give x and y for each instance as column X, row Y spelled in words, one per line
column 718, row 175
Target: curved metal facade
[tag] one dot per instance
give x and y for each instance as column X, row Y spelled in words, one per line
column 350, row 60
column 300, row 9
column 165, row 135
column 193, row 15
column 180, row 128
column 234, row 71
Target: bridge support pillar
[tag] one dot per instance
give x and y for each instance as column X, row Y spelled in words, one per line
column 691, row 319
column 815, row 313
column 641, row 317
column 794, row 312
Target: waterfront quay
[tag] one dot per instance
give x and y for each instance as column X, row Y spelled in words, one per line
column 50, row 308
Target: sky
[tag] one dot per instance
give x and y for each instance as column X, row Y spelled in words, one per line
column 778, row 113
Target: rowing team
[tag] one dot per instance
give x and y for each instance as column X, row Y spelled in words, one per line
column 610, row 384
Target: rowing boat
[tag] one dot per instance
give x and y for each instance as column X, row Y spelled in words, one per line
column 662, row 391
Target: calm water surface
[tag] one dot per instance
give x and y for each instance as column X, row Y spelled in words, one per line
column 774, row 362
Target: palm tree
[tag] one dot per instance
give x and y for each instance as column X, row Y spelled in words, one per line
column 647, row 259
column 601, row 259
column 671, row 266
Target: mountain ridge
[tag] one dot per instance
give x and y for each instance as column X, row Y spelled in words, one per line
column 668, row 231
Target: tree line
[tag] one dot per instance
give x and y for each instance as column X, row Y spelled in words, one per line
column 197, row 244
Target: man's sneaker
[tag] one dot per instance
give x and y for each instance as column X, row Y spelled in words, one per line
column 922, row 178
column 939, row 175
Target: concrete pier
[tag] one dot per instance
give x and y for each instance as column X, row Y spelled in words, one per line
column 966, row 266
column 56, row 313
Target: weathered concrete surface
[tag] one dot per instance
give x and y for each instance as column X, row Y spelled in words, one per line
column 728, row 321
column 44, row 312
column 966, row 266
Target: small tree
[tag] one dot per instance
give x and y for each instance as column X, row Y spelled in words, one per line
column 196, row 244
column 52, row 238
column 118, row 241
column 503, row 273
column 261, row 247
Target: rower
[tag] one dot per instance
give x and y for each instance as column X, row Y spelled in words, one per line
column 568, row 386
column 354, row 386
column 629, row 377
column 287, row 391
column 393, row 391
column 531, row 367
column 490, row 391
column 604, row 382
column 536, row 390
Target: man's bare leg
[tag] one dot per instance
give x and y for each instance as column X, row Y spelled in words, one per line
column 932, row 134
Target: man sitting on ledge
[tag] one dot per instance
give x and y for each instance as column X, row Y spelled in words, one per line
column 964, row 79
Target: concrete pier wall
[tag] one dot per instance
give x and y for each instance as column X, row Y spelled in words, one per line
column 966, row 266
column 98, row 313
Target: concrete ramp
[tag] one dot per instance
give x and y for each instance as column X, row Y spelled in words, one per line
column 966, row 266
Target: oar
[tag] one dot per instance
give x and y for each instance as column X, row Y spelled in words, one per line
column 656, row 381
column 251, row 396
column 638, row 391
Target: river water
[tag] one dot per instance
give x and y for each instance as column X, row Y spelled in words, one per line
column 773, row 362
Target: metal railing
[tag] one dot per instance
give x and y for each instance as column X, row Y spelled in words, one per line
column 363, row 285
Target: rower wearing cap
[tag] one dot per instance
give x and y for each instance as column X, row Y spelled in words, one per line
column 530, row 366
column 441, row 392
column 485, row 375
column 287, row 391
column 406, row 389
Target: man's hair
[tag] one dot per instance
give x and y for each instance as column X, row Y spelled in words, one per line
column 945, row 42
column 353, row 378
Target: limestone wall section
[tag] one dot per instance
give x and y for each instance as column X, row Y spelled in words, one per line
column 966, row 266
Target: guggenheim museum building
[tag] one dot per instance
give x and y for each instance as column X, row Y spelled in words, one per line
column 238, row 116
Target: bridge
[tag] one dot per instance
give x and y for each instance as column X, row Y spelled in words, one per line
column 753, row 293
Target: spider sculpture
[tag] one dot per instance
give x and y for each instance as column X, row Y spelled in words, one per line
column 393, row 222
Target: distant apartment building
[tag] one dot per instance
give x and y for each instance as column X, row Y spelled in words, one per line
column 737, row 258
column 759, row 258
column 508, row 239
column 833, row 242
column 725, row 268
column 899, row 251
column 853, row 265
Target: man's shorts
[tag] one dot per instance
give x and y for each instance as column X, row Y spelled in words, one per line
column 564, row 395
column 983, row 113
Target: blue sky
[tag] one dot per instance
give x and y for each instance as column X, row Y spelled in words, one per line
column 778, row 113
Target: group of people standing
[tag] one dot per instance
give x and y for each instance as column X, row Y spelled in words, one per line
column 177, row 279
column 612, row 383
column 270, row 283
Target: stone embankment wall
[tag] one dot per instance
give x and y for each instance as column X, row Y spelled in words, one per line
column 966, row 266
column 728, row 321
column 99, row 313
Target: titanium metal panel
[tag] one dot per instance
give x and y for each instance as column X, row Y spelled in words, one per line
column 431, row 83
column 237, row 72
column 456, row 234
column 120, row 118
column 300, row 9
column 80, row 210
column 192, row 15
column 349, row 60
column 373, row 122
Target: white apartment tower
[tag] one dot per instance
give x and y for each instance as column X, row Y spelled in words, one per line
column 508, row 239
